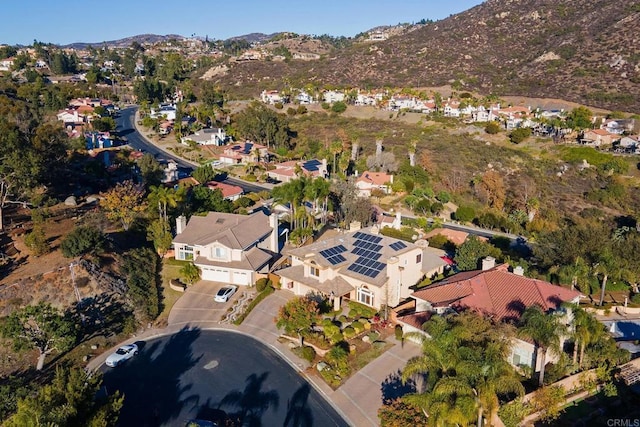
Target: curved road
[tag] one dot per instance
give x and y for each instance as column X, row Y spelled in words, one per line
column 213, row 375
column 126, row 128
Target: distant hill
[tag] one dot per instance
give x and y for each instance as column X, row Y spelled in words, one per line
column 586, row 51
column 254, row 37
column 141, row 38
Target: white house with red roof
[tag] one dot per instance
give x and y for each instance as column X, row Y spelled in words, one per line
column 373, row 180
column 6, row 64
column 244, row 152
column 599, row 137
column 287, row 171
column 493, row 292
column 271, row 97
column 229, row 192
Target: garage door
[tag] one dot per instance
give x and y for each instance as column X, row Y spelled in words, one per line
column 240, row 278
column 215, row 274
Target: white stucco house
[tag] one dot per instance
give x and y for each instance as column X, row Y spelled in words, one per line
column 213, row 136
column 361, row 265
column 228, row 248
column 369, row 181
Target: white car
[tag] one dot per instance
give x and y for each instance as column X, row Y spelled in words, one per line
column 225, row 293
column 122, row 354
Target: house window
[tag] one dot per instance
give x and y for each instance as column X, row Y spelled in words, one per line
column 365, row 296
column 314, row 271
column 418, row 258
column 185, row 253
column 220, row 252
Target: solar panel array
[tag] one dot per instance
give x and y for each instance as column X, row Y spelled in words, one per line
column 398, row 245
column 333, row 254
column 368, row 250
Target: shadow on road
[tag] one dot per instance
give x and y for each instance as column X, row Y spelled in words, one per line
column 393, row 388
column 251, row 403
column 150, row 381
column 298, row 412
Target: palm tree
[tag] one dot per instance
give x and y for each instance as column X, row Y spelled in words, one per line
column 545, row 331
column 317, row 189
column 164, row 197
column 606, row 265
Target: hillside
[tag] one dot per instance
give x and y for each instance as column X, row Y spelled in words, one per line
column 581, row 50
column 126, row 42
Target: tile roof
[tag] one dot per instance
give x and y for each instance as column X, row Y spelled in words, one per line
column 228, row 190
column 232, row 230
column 416, row 319
column 496, row 292
column 375, row 178
column 454, row 236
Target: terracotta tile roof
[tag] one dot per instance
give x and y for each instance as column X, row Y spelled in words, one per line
column 602, row 132
column 454, row 236
column 374, row 178
column 496, row 293
column 416, row 319
column 228, row 190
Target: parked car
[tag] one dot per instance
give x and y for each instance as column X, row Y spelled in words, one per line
column 225, row 293
column 121, row 355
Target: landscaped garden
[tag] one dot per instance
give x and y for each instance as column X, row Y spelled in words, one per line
column 337, row 343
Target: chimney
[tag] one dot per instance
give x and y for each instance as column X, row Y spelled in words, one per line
column 181, row 224
column 273, row 223
column 518, row 271
column 488, row 263
column 355, row 226
column 325, row 170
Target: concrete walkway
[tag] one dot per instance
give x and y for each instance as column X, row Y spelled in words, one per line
column 357, row 400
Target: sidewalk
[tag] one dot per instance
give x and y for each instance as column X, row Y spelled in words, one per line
column 357, row 400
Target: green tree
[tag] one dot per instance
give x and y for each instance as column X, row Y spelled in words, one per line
column 580, row 118
column 203, row 200
column 339, row 107
column 520, row 134
column 85, row 239
column 164, row 198
column 606, row 264
column 150, row 170
column 159, row 233
column 549, row 400
column 190, row 273
column 298, row 316
column 263, row 125
column 492, row 128
column 465, row 214
column 37, row 241
column 545, row 330
column 42, row 327
column 210, row 95
column 469, row 253
column 141, row 268
column 398, row 413
column 204, row 174
column 70, row 400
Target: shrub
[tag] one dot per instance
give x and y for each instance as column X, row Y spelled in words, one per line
column 278, row 106
column 465, row 214
column 343, row 319
column 327, row 322
column 82, row 240
column 331, row 330
column 301, row 109
column 366, row 324
column 398, row 332
column 37, row 242
column 492, row 128
column 325, row 105
column 357, row 326
column 518, row 135
column 349, row 332
column 292, row 111
column 354, row 314
column 361, row 310
column 513, row 413
column 373, row 336
column 261, row 284
column 339, row 107
column 308, row 353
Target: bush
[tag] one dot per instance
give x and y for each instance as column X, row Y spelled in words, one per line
column 357, row 326
column 331, row 330
column 261, row 284
column 513, row 413
column 278, row 106
column 349, row 332
column 308, row 353
column 361, row 310
column 301, row 109
column 373, row 336
column 443, row 197
column 37, row 242
column 82, row 240
column 325, row 106
column 518, row 135
column 339, row 107
column 343, row 319
column 465, row 214
column 492, row 128
column 398, row 332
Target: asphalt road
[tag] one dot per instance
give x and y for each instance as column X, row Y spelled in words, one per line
column 210, row 375
column 127, row 129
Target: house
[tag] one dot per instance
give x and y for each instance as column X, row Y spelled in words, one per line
column 271, row 97
column 378, row 36
column 394, row 222
column 6, row 64
column 598, row 137
column 213, row 136
column 493, row 292
column 229, row 192
column 166, row 111
column 332, row 96
column 619, row 126
column 629, row 143
column 304, row 98
column 483, row 114
column 373, row 180
column 97, row 140
column 361, row 265
column 244, row 152
column 228, row 248
column 286, row 171
column 451, row 108
column 165, row 127
column 369, row 98
column 70, row 115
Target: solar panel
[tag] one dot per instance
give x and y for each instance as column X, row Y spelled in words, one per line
column 397, row 245
column 341, row 248
column 359, row 243
column 336, row 259
column 327, row 253
column 359, row 235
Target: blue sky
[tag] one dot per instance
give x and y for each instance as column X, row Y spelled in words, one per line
column 91, row 21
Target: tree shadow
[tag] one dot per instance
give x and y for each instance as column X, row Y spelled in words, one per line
column 298, row 412
column 392, row 387
column 151, row 381
column 251, row 403
column 102, row 315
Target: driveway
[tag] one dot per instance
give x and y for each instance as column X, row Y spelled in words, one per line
column 197, row 305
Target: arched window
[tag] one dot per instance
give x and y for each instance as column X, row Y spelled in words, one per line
column 364, row 296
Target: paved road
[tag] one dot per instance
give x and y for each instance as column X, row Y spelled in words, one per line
column 126, row 128
column 207, row 374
